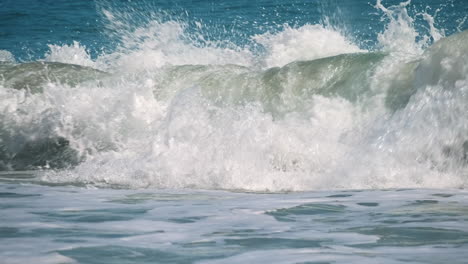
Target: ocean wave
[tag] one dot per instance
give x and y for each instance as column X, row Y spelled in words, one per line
column 309, row 110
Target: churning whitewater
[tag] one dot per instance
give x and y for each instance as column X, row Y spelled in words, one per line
column 303, row 108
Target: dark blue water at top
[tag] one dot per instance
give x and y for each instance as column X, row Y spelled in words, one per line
column 28, row 26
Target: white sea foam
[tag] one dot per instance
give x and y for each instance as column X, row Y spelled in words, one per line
column 162, row 121
column 72, row 54
column 6, row 56
column 189, row 141
column 308, row 42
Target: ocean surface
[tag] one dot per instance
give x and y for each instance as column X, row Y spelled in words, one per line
column 318, row 131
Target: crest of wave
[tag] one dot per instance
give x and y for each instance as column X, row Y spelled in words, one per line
column 159, row 42
column 148, row 41
column 71, row 54
column 308, row 42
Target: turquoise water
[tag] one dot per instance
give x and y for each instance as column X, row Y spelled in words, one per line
column 44, row 224
column 233, row 132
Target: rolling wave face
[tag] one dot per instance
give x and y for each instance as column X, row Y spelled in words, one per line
column 34, row 76
column 170, row 114
column 278, row 90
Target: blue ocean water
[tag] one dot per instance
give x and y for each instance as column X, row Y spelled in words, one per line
column 29, row 26
column 233, row 131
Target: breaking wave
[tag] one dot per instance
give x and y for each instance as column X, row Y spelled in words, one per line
column 309, row 110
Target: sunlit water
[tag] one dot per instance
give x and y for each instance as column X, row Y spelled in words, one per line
column 233, row 132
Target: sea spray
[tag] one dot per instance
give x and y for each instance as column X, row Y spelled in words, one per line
column 310, row 110
column 309, row 42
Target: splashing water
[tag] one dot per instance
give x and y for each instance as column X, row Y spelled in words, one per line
column 309, row 109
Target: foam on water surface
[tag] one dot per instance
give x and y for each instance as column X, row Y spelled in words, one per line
column 76, row 225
